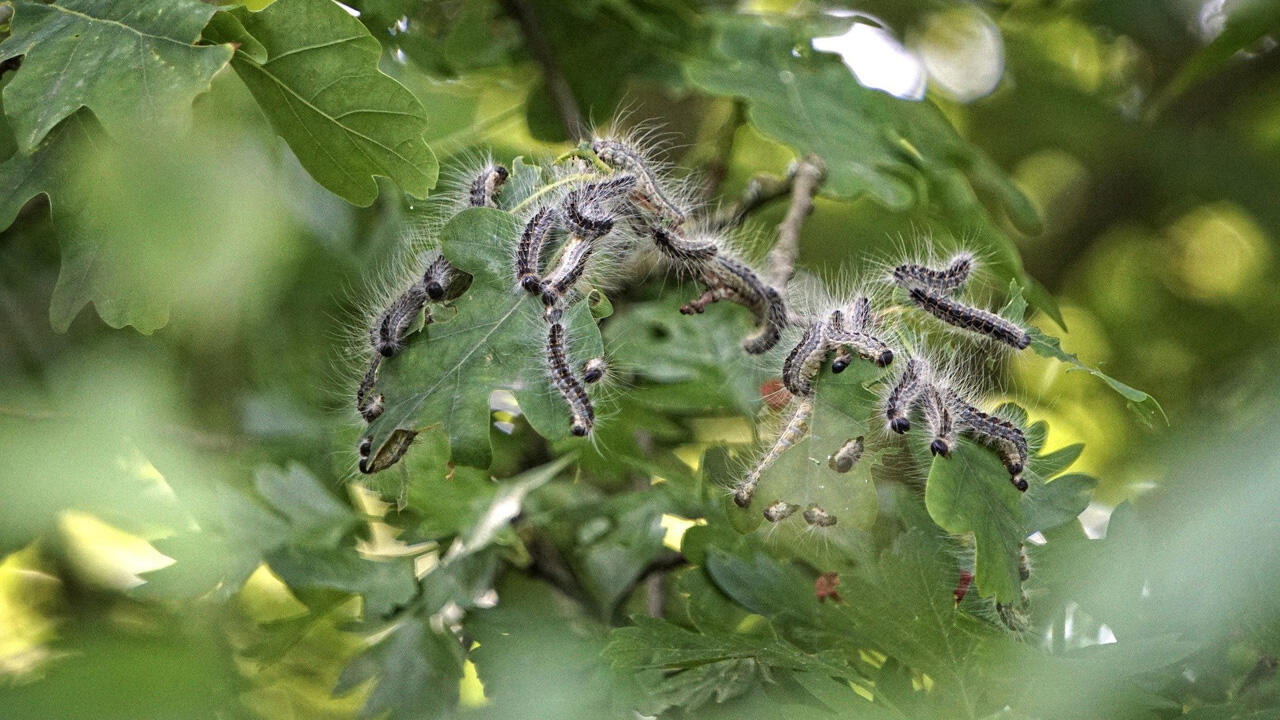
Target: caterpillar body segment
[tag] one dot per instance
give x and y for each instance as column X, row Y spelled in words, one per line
column 793, row 433
column 956, row 313
column 582, row 413
column 939, row 421
column 442, row 281
column 387, row 455
column 729, row 279
column 779, row 510
column 817, row 517
column 388, row 334
column 947, row 280
column 584, row 208
column 805, row 360
column 897, row 404
column 848, row 455
column 681, row 249
column 487, row 185
column 769, row 329
column 648, row 192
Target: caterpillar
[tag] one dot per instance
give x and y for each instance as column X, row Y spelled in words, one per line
column 369, row 408
column 795, row 430
column 593, row 370
column 442, row 281
column 843, row 459
column 937, row 417
column 972, row 319
column 1008, row 440
column 574, row 255
column 388, row 333
column 680, row 248
column 817, row 517
column 949, row 279
column 779, row 510
column 487, row 185
column 648, row 192
column 861, row 319
column 805, row 360
column 728, row 279
column 902, row 396
column 529, row 248
column 583, row 212
column 389, row 454
column 583, row 415
column 863, row 344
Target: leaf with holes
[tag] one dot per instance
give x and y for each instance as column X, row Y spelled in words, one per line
column 124, row 61
column 322, row 91
column 496, row 340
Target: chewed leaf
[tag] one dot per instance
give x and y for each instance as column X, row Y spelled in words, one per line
column 803, row 476
column 84, row 53
column 1142, row 404
column 494, row 341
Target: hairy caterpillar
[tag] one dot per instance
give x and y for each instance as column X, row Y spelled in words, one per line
column 1008, row 440
column 573, row 261
column 388, row 333
column 861, row 319
column 583, row 212
column 796, row 428
column 681, row 249
column 949, row 279
column 972, row 319
column 487, row 185
column 583, row 415
column 442, row 281
column 648, row 191
column 779, row 510
column 937, row 418
column 369, row 407
column 805, row 360
column 863, row 344
column 593, row 370
column 843, row 459
column 897, row 405
column 389, row 454
column 529, row 248
column 728, row 279
column 817, row 517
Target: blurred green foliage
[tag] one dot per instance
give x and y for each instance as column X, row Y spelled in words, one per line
column 182, row 529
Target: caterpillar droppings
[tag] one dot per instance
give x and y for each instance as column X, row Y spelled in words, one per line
column 956, row 313
column 795, row 430
column 843, row 460
column 583, row 414
column 897, row 405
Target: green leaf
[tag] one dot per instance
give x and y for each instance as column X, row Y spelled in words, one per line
column 971, row 492
column 124, row 61
column 1247, row 22
column 1048, row 505
column 315, row 516
column 416, row 668
column 496, row 340
column 384, row 584
column 1048, row 346
column 872, row 143
column 323, row 93
column 44, row 171
column 225, row 28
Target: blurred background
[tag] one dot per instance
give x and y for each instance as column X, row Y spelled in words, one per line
column 172, row 348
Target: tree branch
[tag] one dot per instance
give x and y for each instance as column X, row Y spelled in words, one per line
column 808, row 176
column 761, row 190
column 561, row 93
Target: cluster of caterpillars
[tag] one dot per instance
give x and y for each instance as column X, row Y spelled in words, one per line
column 619, row 192
column 856, row 330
